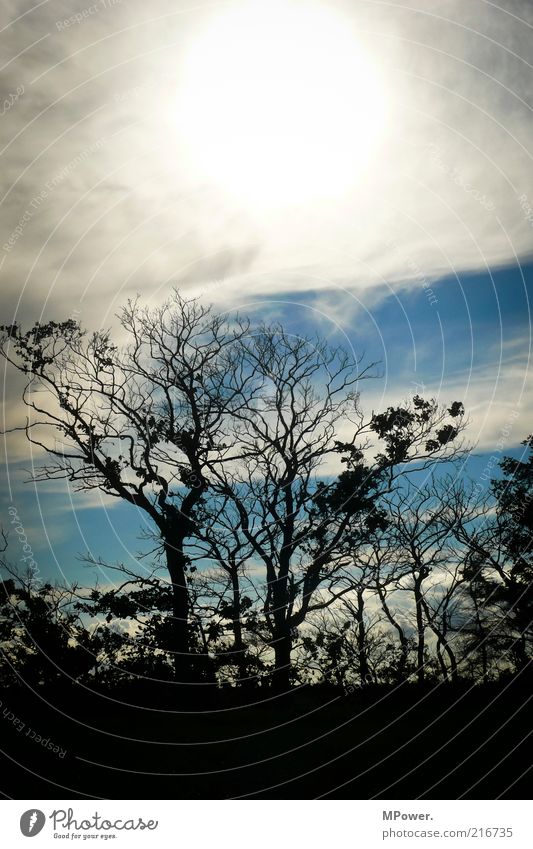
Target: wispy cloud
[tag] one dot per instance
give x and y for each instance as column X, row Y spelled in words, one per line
column 94, row 162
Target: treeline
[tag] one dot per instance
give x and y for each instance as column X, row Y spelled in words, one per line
column 294, row 538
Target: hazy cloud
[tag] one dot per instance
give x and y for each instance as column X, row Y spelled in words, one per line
column 95, row 175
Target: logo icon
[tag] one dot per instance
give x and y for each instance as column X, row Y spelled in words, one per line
column 32, row 822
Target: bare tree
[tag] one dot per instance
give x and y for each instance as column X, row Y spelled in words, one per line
column 302, row 397
column 219, row 540
column 388, row 573
column 191, row 409
column 422, row 527
column 498, row 570
column 142, row 421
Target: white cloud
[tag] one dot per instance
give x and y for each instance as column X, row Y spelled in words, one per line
column 97, row 183
column 127, row 215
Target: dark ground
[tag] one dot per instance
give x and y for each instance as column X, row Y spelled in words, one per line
column 405, row 743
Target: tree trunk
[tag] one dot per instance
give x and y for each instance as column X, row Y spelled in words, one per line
column 281, row 680
column 180, row 612
column 238, row 642
column 454, row 671
column 481, row 638
column 364, row 669
column 282, row 642
column 440, row 658
column 520, row 653
column 484, row 662
column 404, row 642
column 443, row 646
column 420, row 631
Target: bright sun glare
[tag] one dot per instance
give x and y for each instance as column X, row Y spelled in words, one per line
column 280, row 103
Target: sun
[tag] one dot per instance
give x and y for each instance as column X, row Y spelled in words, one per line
column 279, row 103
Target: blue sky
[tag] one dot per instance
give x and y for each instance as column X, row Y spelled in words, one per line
column 151, row 145
column 462, row 335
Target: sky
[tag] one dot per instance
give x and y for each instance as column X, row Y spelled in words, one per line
column 358, row 169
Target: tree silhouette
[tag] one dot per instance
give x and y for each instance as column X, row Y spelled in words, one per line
column 302, row 398
column 41, row 635
column 499, row 566
column 230, row 442
column 139, row 421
